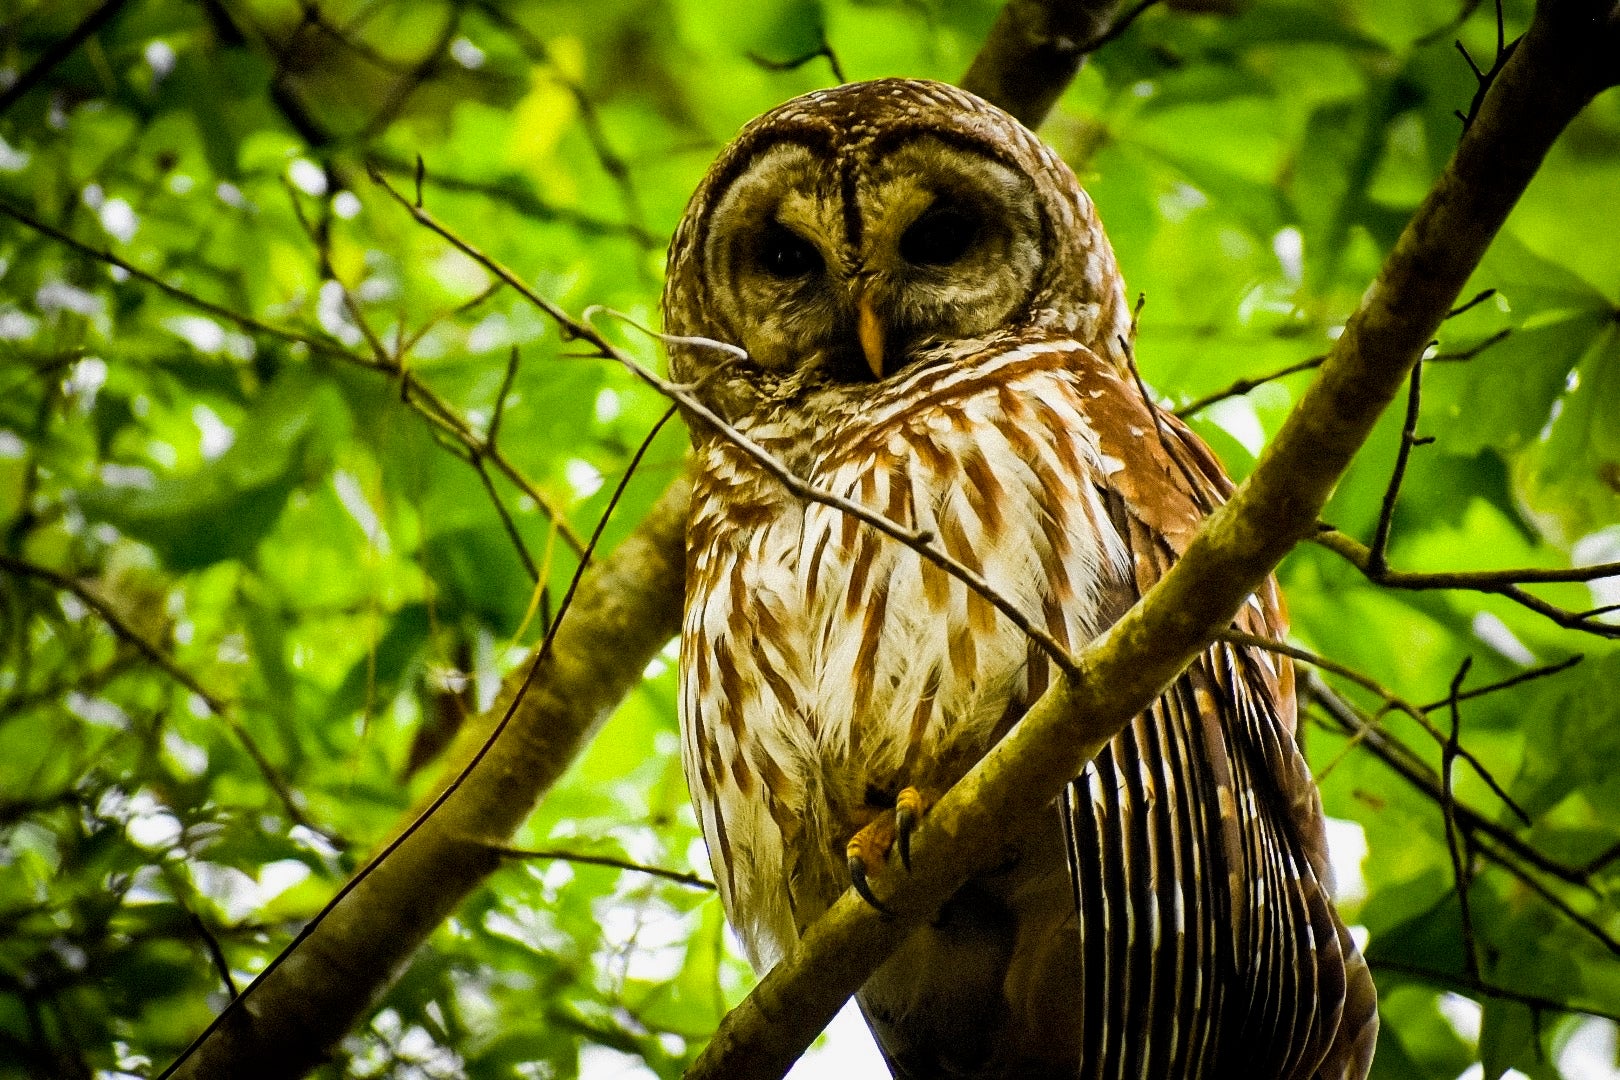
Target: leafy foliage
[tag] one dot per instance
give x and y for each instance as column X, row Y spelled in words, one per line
column 287, row 485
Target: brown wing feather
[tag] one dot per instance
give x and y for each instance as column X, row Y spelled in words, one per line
column 1311, row 1008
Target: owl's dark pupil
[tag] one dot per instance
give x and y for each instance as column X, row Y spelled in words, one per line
column 785, row 254
column 938, row 238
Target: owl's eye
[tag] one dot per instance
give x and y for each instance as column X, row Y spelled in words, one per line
column 939, row 237
column 785, row 254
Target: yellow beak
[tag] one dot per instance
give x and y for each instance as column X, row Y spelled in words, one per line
column 870, row 331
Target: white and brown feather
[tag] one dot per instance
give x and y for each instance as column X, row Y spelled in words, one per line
column 1175, row 921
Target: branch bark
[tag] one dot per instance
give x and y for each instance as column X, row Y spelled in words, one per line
column 1570, row 53
column 627, row 608
column 1034, row 51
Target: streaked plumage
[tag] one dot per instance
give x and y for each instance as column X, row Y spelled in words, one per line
column 1174, row 919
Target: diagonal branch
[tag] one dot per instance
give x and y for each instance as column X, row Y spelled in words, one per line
column 1553, row 72
column 58, row 52
column 920, row 541
column 622, row 612
column 1036, row 47
column 417, row 394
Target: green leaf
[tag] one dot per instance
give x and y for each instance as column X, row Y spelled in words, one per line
column 226, row 507
column 1507, row 1037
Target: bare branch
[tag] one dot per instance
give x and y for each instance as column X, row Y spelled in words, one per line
column 1391, row 701
column 1386, row 515
column 1495, row 687
column 1502, row 582
column 823, row 49
column 1243, row 386
column 1467, row 305
column 1478, row 988
column 1406, row 764
column 427, row 403
column 306, row 997
column 677, row 876
column 1456, row 839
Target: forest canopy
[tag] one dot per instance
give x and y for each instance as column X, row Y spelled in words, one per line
column 297, row 470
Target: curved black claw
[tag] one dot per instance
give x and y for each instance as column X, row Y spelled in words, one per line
column 857, row 879
column 905, row 822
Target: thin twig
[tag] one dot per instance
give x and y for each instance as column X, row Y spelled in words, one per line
column 1238, row 637
column 1456, row 839
column 541, row 654
column 1474, row 985
column 216, row 954
column 515, row 191
column 1243, row 386
column 1501, row 582
column 507, row 521
column 823, row 49
column 920, row 541
column 1603, row 937
column 422, row 399
column 1195, row 487
column 1349, row 720
column 499, row 410
column 1121, row 24
column 1376, row 555
column 412, row 81
column 160, row 659
column 509, row 852
column 1479, row 298
column 1515, row 680
column 590, row 121
column 1464, row 355
column 414, row 339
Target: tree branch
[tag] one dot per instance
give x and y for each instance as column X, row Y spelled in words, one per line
column 1559, row 65
column 1035, row 49
column 417, row 394
column 626, row 608
column 59, row 52
column 1502, row 582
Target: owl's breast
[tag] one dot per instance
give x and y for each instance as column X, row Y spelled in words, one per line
column 826, row 665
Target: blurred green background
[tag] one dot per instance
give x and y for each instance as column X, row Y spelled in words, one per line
column 311, row 547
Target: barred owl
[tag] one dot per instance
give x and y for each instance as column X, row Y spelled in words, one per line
column 928, row 320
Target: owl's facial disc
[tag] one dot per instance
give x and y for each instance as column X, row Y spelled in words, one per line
column 844, row 268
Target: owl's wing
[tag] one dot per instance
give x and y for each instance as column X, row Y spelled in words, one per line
column 1213, row 770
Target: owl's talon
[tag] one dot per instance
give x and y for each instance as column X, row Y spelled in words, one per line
column 857, row 880
column 909, row 809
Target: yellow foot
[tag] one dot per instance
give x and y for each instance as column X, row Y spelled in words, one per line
column 868, row 850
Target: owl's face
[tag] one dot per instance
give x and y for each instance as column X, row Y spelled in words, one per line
column 849, row 272
column 855, row 232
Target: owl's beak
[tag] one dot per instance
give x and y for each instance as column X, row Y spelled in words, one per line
column 870, row 330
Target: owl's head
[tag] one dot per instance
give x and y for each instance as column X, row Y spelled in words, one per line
column 852, row 233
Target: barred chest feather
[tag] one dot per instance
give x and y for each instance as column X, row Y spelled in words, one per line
column 824, row 666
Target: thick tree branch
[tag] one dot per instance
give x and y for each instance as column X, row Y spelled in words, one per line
column 627, row 608
column 1569, row 54
column 1034, row 50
